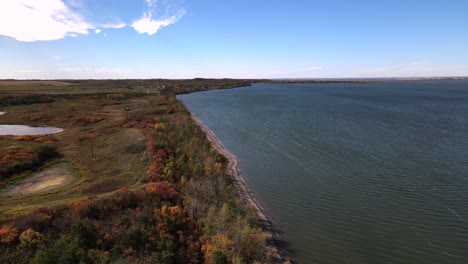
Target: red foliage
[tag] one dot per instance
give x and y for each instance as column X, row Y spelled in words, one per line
column 138, row 122
column 163, row 190
column 84, row 121
column 126, row 198
column 17, row 155
column 39, row 118
column 37, row 138
column 90, row 136
column 160, row 155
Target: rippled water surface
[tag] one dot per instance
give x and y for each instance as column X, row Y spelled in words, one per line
column 353, row 173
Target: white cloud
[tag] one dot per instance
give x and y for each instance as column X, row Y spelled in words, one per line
column 114, row 26
column 149, row 24
column 57, row 57
column 32, row 20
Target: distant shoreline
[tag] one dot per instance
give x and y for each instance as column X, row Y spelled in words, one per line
column 244, row 192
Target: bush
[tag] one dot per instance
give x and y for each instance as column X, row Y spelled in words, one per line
column 218, row 257
column 135, row 148
column 46, row 151
column 30, row 239
column 17, row 160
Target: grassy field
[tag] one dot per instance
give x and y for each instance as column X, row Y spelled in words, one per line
column 103, row 156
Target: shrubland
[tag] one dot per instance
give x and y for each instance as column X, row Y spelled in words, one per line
column 152, row 188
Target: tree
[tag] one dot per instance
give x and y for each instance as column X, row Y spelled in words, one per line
column 85, row 233
column 30, row 239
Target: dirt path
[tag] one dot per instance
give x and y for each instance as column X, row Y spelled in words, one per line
column 43, row 181
column 244, row 192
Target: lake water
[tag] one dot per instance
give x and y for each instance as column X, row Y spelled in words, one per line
column 353, row 173
column 20, row 130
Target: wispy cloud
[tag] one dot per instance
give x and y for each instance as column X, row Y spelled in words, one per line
column 92, row 72
column 414, row 69
column 150, row 23
column 28, row 71
column 310, row 69
column 32, row 20
column 116, row 26
column 57, row 57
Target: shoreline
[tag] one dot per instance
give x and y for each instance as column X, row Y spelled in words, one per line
column 245, row 193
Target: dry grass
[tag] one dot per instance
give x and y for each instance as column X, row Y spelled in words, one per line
column 101, row 155
column 34, row 83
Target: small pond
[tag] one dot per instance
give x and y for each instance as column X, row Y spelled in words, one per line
column 20, row 130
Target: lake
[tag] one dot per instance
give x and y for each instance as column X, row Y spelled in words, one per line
column 353, row 173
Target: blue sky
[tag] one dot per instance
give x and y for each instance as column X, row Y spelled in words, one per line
column 53, row 39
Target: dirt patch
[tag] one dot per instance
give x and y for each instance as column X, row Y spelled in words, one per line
column 43, row 181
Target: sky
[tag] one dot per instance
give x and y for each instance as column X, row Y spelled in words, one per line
column 117, row 39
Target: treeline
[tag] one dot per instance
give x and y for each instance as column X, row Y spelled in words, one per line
column 186, row 212
column 24, row 99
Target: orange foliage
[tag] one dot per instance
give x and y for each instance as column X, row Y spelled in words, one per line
column 16, row 155
column 207, row 250
column 8, row 234
column 155, row 170
column 224, row 243
column 164, row 190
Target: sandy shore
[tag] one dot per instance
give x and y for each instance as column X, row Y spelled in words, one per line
column 245, row 193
